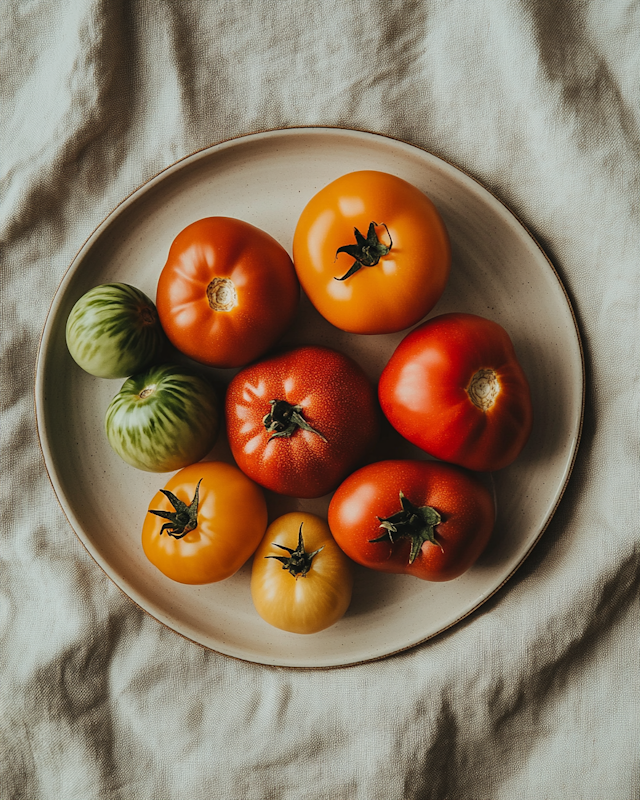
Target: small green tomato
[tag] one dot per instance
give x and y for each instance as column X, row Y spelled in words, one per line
column 163, row 419
column 113, row 331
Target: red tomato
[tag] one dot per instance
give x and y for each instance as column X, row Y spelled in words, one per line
column 454, row 388
column 372, row 253
column 300, row 421
column 227, row 292
column 421, row 518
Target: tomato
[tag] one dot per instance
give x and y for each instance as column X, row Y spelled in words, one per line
column 299, row 421
column 113, row 331
column 227, row 292
column 205, row 523
column 301, row 581
column 421, row 518
column 163, row 419
column 372, row 253
column 454, row 388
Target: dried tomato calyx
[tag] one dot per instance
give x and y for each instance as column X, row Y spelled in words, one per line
column 284, row 420
column 298, row 562
column 367, row 252
column 183, row 519
column 416, row 523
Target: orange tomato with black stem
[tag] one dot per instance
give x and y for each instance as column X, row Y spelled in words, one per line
column 299, row 421
column 227, row 293
column 421, row 518
column 205, row 523
column 372, row 253
column 454, row 387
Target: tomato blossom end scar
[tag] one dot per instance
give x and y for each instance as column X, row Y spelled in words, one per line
column 222, row 295
column 483, row 389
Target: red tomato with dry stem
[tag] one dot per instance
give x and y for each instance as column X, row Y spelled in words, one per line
column 454, row 387
column 421, row 518
column 227, row 293
column 372, row 252
column 300, row 421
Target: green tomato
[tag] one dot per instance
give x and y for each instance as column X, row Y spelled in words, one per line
column 113, row 331
column 163, row 419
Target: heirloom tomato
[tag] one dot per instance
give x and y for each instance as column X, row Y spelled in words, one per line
column 421, row 518
column 372, row 253
column 299, row 421
column 301, row 581
column 454, row 388
column 163, row 419
column 205, row 523
column 227, row 292
column 113, row 331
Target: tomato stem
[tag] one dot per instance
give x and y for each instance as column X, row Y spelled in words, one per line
column 298, row 562
column 183, row 519
column 284, row 420
column 412, row 522
column 367, row 251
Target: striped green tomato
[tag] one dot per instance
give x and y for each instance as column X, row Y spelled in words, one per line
column 113, row 331
column 163, row 419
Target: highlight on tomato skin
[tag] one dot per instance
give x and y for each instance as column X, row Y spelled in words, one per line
column 299, row 421
column 455, row 388
column 301, row 581
column 205, row 524
column 227, row 292
column 423, row 518
column 372, row 253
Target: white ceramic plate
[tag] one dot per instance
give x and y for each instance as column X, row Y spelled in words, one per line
column 498, row 271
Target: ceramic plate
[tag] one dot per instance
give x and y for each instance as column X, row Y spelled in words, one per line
column 498, row 271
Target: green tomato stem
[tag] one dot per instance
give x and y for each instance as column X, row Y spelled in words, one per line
column 298, row 562
column 183, row 519
column 367, row 251
column 412, row 522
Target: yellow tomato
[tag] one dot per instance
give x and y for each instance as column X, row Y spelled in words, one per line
column 301, row 580
column 205, row 524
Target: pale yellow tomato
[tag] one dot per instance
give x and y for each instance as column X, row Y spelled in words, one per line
column 301, row 581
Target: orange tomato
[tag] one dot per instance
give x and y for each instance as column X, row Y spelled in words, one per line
column 213, row 524
column 372, row 253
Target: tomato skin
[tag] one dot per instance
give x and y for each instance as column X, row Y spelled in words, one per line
column 227, row 293
column 232, row 517
column 404, row 285
column 337, row 400
column 463, row 502
column 308, row 603
column 423, row 392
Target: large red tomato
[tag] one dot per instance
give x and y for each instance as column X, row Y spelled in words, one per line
column 454, row 388
column 421, row 518
column 227, row 292
column 372, row 253
column 300, row 421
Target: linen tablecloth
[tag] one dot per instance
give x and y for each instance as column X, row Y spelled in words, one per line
column 536, row 694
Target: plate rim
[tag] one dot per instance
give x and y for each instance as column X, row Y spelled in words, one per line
column 156, row 177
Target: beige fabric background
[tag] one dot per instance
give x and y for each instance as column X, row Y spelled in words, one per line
column 536, row 695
